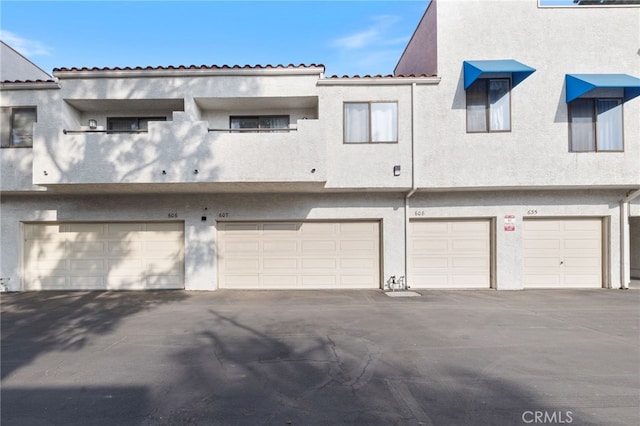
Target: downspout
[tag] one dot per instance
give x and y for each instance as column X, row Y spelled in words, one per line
column 413, row 187
column 625, row 249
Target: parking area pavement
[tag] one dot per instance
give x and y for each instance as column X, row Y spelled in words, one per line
column 312, row 357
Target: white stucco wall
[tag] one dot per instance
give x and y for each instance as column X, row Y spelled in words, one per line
column 546, row 204
column 554, row 41
column 16, row 163
column 200, row 237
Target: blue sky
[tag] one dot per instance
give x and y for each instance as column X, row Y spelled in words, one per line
column 356, row 37
column 348, row 37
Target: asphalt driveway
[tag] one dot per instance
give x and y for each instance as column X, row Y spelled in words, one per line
column 305, row 358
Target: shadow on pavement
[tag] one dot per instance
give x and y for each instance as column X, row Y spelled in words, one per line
column 34, row 323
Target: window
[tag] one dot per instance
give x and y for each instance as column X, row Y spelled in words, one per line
column 596, row 124
column 130, row 124
column 370, row 122
column 489, row 105
column 255, row 123
column 16, row 126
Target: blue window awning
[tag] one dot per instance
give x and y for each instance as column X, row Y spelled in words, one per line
column 578, row 85
column 474, row 70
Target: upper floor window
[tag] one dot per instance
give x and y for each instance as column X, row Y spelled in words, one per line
column 257, row 123
column 370, row 122
column 489, row 105
column 131, row 124
column 596, row 124
column 16, row 126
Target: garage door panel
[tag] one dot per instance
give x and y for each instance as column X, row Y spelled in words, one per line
column 319, row 281
column 302, row 255
column 246, row 281
column 88, row 265
column 468, row 245
column 358, row 245
column 317, row 228
column 450, row 253
column 44, row 266
column 279, row 247
column 322, row 246
column 540, row 262
column 542, row 225
column 358, row 228
column 421, row 262
column 241, row 246
column 88, row 247
column 280, row 227
column 355, row 263
column 431, row 245
column 542, row 244
column 563, row 253
column 469, row 280
column 99, row 255
column 86, row 282
column 469, row 228
column 88, row 229
column 240, row 228
column 247, row 264
column 319, row 263
column 582, row 244
column 469, row 263
column 429, row 227
column 279, row 281
column 357, row 281
column 279, row 263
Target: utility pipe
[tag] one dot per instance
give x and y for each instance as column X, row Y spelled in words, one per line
column 625, row 249
column 413, row 187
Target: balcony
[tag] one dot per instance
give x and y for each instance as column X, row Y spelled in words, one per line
column 190, row 151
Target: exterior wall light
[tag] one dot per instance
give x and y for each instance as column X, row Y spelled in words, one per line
column 396, row 170
column 93, row 124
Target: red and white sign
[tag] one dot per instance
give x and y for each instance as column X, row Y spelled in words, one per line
column 509, row 222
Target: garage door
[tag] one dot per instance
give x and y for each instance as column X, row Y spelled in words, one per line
column 562, row 253
column 103, row 256
column 299, row 255
column 450, row 254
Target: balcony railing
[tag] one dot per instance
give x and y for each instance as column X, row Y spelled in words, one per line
column 75, row 132
column 255, row 130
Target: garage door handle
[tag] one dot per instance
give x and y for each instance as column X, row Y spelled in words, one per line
column 562, row 262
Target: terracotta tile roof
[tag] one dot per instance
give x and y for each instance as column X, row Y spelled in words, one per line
column 26, row 81
column 382, row 76
column 190, row 67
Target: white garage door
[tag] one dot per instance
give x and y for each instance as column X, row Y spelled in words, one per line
column 299, row 255
column 450, row 254
column 103, row 256
column 562, row 253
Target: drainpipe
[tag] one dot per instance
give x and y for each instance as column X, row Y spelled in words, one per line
column 413, row 188
column 625, row 249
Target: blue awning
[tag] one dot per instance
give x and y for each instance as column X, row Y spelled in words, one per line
column 476, row 69
column 580, row 84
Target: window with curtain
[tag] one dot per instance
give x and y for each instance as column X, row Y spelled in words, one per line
column 595, row 125
column 370, row 122
column 489, row 105
column 258, row 122
column 16, row 126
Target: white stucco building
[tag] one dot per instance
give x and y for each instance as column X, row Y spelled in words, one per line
column 503, row 153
